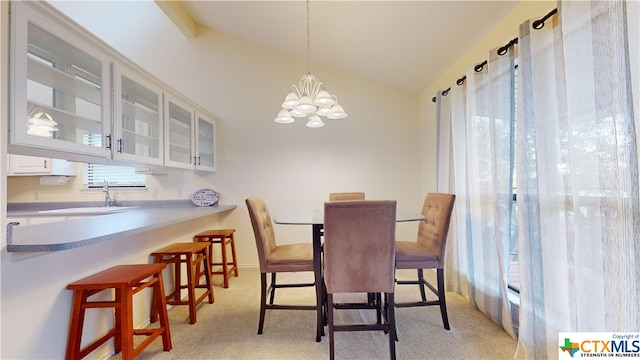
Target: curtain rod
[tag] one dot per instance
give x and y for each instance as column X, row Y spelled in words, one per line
column 538, row 24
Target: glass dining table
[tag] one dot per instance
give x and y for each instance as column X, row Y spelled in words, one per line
column 315, row 218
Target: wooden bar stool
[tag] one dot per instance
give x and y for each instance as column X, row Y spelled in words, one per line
column 191, row 254
column 126, row 280
column 223, row 237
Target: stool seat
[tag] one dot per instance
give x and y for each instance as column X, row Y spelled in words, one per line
column 126, row 280
column 223, row 237
column 192, row 255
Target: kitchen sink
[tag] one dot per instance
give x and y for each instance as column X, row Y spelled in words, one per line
column 89, row 210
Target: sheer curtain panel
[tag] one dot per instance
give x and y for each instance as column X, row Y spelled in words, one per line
column 577, row 176
column 482, row 116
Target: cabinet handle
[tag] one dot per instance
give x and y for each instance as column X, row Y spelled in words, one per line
column 120, row 145
column 45, row 163
column 109, row 141
column 199, row 160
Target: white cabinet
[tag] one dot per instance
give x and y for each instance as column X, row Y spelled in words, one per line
column 206, row 142
column 60, row 82
column 138, row 121
column 20, row 165
column 189, row 135
column 74, row 97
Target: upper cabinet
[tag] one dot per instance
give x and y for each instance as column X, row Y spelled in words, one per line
column 206, row 145
column 60, row 86
column 75, row 96
column 138, row 118
column 190, row 135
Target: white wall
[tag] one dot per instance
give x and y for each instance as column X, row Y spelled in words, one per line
column 375, row 150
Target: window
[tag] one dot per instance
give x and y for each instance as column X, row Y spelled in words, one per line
column 117, row 176
column 513, row 273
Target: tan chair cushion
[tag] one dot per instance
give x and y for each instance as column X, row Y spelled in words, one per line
column 428, row 251
column 273, row 257
column 411, row 255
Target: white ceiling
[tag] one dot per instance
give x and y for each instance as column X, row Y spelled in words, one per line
column 405, row 44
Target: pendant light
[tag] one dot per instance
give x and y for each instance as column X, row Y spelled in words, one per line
column 309, row 99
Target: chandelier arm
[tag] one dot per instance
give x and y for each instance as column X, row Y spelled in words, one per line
column 296, row 89
column 304, row 84
column 317, row 85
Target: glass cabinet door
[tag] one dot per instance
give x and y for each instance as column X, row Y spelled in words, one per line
column 138, row 118
column 60, row 84
column 180, row 128
column 205, row 154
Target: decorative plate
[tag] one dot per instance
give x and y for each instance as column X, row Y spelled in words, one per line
column 204, row 197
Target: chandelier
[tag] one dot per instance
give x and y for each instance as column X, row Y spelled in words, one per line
column 309, row 99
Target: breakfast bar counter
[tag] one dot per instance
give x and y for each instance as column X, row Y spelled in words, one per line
column 87, row 230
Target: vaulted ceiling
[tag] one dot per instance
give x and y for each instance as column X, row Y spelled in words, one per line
column 404, row 44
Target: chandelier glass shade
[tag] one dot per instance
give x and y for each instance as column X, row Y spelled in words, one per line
column 309, row 99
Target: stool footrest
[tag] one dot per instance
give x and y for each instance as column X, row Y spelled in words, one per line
column 151, row 335
column 97, row 343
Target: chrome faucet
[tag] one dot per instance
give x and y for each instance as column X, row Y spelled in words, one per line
column 108, row 200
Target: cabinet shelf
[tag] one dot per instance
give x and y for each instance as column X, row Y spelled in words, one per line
column 68, row 119
column 179, row 128
column 180, row 149
column 57, row 80
column 139, row 138
column 139, row 112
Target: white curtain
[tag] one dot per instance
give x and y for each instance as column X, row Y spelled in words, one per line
column 476, row 126
column 577, row 176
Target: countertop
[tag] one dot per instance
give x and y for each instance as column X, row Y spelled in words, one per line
column 91, row 230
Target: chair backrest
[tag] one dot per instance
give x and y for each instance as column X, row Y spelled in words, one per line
column 262, row 229
column 432, row 233
column 359, row 246
column 342, row 196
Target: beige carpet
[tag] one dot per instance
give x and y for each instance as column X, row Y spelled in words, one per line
column 227, row 329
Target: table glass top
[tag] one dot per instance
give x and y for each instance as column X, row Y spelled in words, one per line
column 316, row 216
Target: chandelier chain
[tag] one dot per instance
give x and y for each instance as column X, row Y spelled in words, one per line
column 308, row 42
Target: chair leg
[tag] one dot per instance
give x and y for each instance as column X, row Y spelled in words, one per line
column 421, row 284
column 442, row 300
column 263, row 300
column 330, row 325
column 273, row 288
column 378, row 303
column 391, row 320
column 324, row 305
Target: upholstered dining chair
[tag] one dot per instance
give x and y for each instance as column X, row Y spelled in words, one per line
column 347, row 196
column 342, row 196
column 359, row 257
column 276, row 258
column 428, row 251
